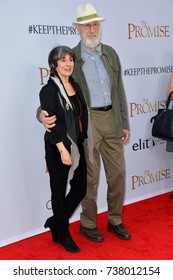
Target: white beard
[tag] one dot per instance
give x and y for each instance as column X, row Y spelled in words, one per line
column 91, row 42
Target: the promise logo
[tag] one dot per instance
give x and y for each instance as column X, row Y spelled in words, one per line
column 145, row 107
column 149, row 177
column 144, row 30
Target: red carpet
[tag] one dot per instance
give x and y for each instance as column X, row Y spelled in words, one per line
column 150, row 222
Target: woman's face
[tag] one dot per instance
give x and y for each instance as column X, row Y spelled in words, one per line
column 65, row 66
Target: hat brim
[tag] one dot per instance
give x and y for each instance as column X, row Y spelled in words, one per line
column 88, row 20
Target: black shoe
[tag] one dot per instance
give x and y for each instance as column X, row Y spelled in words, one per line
column 120, row 231
column 91, row 234
column 50, row 224
column 69, row 245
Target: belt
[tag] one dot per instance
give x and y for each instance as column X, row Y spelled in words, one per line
column 105, row 108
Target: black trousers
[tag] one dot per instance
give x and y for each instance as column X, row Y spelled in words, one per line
column 64, row 204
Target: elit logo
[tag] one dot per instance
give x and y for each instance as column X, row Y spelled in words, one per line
column 145, row 30
column 143, row 144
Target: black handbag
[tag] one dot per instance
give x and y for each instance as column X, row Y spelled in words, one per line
column 162, row 127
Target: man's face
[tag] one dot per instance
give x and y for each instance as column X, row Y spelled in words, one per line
column 90, row 34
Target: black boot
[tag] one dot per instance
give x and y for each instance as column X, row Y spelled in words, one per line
column 171, row 196
column 50, row 224
column 69, row 244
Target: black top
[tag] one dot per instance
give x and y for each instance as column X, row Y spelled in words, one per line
column 78, row 108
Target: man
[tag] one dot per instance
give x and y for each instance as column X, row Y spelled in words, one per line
column 98, row 71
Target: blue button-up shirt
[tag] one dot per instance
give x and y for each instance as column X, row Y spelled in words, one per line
column 97, row 77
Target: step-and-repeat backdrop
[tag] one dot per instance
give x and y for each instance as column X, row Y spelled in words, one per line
column 142, row 34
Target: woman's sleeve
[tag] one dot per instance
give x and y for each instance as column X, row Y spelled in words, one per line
column 50, row 102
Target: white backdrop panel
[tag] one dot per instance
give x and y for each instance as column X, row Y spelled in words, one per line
column 24, row 50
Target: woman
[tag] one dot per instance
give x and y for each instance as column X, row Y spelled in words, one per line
column 170, row 84
column 169, row 145
column 65, row 159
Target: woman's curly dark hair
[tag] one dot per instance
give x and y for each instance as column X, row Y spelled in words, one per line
column 56, row 54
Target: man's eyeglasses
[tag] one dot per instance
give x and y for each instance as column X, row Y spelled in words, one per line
column 88, row 26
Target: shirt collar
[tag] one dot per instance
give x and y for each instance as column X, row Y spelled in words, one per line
column 86, row 52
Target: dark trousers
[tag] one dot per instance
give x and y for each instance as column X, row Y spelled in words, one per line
column 63, row 203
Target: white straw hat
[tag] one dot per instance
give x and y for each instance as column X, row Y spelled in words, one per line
column 87, row 13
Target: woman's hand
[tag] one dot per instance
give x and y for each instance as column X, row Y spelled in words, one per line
column 65, row 155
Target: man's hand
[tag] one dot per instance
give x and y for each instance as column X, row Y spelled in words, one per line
column 47, row 121
column 126, row 136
